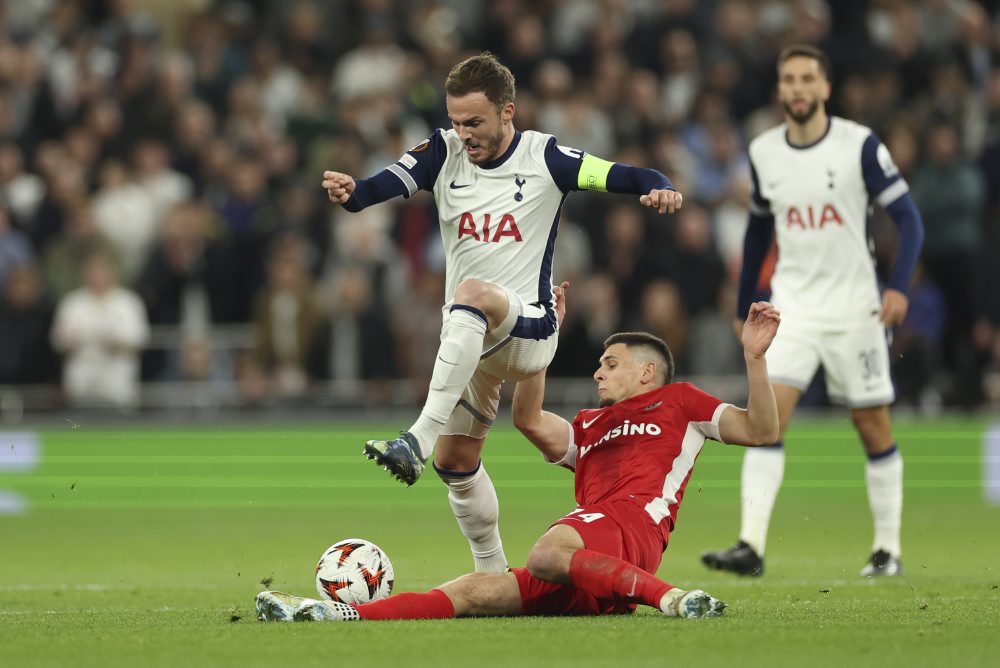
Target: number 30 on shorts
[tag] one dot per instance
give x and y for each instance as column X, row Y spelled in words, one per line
column 586, row 518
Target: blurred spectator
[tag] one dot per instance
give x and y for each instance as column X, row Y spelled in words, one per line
column 176, row 283
column 695, row 266
column 419, row 333
column 950, row 195
column 66, row 190
column 249, row 224
column 126, row 214
column 916, row 345
column 281, row 87
column 65, row 256
column 593, row 314
column 361, row 344
column 100, row 328
column 661, row 312
column 15, row 249
column 724, row 162
column 194, row 128
column 26, row 314
column 180, row 284
column 628, row 256
column 714, row 348
column 287, row 321
column 164, row 186
column 22, row 191
column 374, row 67
column 683, row 78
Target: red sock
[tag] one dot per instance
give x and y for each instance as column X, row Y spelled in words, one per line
column 607, row 577
column 434, row 604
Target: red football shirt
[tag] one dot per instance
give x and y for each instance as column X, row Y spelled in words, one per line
column 643, row 448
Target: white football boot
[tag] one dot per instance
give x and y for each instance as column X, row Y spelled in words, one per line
column 691, row 604
column 311, row 610
column 277, row 606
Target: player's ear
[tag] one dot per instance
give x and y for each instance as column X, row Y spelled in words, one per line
column 507, row 112
column 648, row 372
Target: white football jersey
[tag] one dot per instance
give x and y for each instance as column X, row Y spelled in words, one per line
column 498, row 220
column 820, row 196
column 499, row 224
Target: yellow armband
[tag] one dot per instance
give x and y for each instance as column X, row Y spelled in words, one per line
column 593, row 174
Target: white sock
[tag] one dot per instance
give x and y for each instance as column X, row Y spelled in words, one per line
column 667, row 605
column 884, row 476
column 474, row 502
column 763, row 471
column 457, row 359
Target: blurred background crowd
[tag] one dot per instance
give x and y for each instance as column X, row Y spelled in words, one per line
column 164, row 239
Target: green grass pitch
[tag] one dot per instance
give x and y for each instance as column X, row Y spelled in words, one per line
column 146, row 547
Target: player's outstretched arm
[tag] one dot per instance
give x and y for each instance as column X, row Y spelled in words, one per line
column 547, row 431
column 573, row 169
column 758, row 423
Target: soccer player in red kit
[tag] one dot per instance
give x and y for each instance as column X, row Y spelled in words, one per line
column 633, row 458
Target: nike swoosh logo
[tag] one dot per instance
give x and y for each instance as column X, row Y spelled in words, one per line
column 635, row 578
column 447, row 362
column 587, row 423
column 456, row 186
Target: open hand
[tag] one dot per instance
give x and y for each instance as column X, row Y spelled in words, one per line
column 560, row 294
column 894, row 306
column 759, row 329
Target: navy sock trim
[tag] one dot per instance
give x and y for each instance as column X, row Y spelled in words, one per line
column 777, row 445
column 471, row 309
column 883, row 455
column 458, row 474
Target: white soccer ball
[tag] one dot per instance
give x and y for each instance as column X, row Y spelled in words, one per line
column 354, row 571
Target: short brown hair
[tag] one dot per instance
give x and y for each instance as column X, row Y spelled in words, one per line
column 807, row 51
column 482, row 74
column 651, row 343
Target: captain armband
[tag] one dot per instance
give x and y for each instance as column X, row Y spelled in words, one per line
column 593, row 173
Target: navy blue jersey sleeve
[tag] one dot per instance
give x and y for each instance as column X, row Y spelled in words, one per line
column 573, row 169
column 417, row 169
column 756, row 244
column 759, row 206
column 636, row 180
column 888, row 187
column 882, row 178
column 911, row 238
column 564, row 165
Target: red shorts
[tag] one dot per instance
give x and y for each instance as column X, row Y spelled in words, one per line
column 620, row 528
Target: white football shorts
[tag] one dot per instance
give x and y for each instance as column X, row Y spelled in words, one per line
column 855, row 361
column 521, row 346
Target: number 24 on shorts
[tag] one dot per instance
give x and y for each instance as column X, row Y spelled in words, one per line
column 586, row 518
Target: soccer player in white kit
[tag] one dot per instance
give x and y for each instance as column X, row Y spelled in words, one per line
column 498, row 193
column 815, row 177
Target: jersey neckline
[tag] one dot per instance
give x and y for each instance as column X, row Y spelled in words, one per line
column 802, row 147
column 493, row 164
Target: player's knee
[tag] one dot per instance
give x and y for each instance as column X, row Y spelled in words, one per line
column 472, row 292
column 544, row 563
